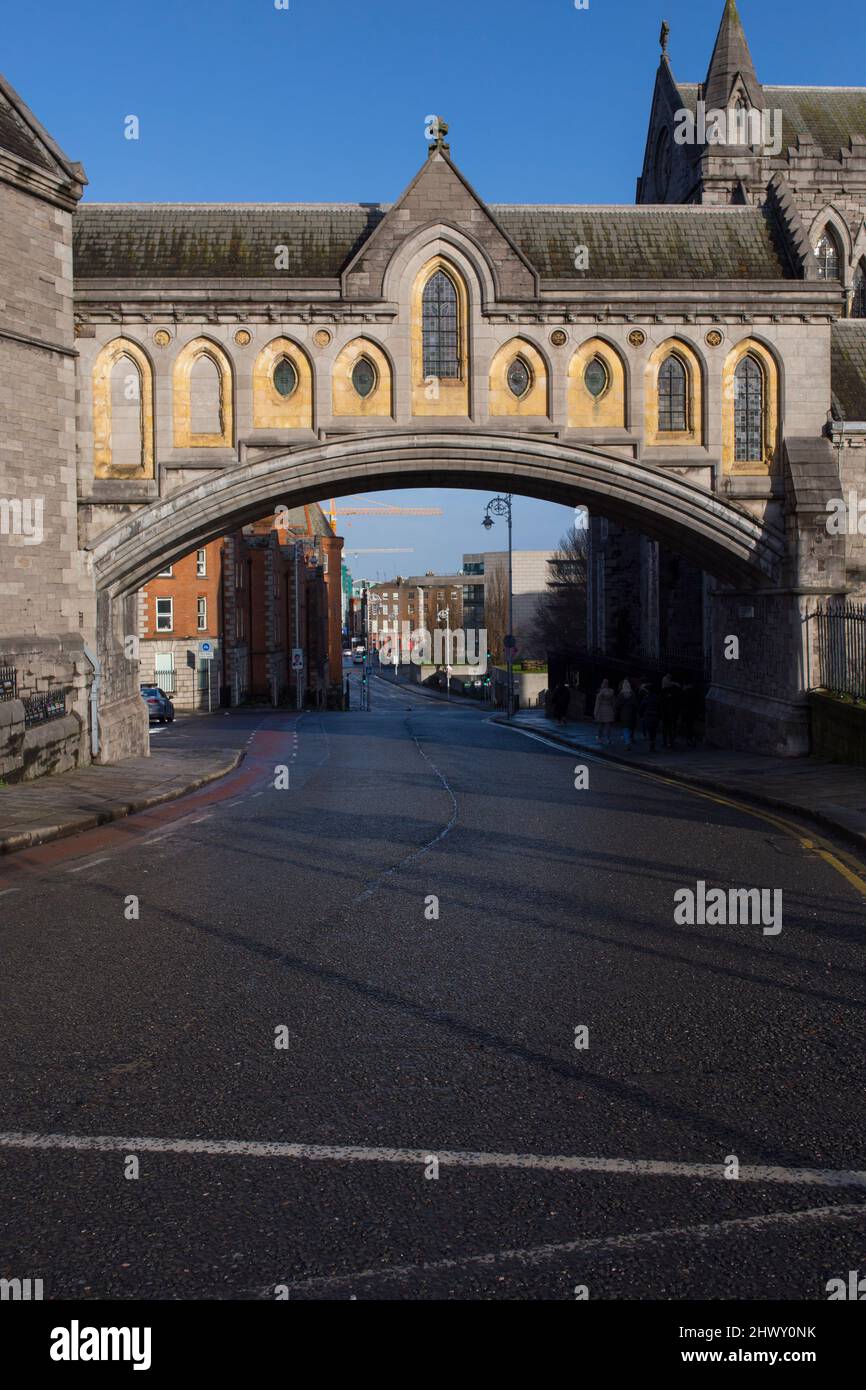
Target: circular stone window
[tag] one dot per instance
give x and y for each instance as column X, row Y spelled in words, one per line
column 595, row 377
column 285, row 377
column 519, row 378
column 364, row 377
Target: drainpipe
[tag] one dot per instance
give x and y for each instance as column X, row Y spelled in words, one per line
column 94, row 700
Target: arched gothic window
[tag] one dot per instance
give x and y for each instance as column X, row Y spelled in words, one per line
column 673, row 395
column 827, row 256
column 748, row 411
column 285, row 377
column 364, row 377
column 519, row 378
column 441, row 328
column 858, row 304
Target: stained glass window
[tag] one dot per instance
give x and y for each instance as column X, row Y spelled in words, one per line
column 827, row 255
column 519, row 378
column 285, row 377
column 363, row 377
column 749, row 411
column 673, row 414
column 595, row 377
column 441, row 329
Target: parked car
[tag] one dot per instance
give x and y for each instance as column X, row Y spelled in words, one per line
column 159, row 706
column 347, row 653
column 359, row 657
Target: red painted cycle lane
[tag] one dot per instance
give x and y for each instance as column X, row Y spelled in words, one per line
column 265, row 750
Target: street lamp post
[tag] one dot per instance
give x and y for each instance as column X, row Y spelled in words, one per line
column 446, row 614
column 501, row 506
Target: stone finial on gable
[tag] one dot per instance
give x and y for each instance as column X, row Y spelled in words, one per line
column 663, row 39
column 436, row 130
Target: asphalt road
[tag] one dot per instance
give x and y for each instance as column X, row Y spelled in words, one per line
column 413, row 1037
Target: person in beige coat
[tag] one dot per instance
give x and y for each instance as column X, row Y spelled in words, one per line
column 605, row 712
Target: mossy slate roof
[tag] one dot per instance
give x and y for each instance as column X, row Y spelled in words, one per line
column 17, row 139
column 830, row 115
column 646, row 243
column 203, row 241
column 848, row 369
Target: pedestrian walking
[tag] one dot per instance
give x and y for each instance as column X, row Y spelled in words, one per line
column 650, row 713
column 671, row 698
column 627, row 711
column 560, row 702
column 605, row 712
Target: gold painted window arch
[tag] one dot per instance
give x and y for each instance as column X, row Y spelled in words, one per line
column 184, row 435
column 502, row 398
column 272, row 409
column 606, row 408
column 138, row 382
column 662, row 427
column 440, row 306
column 346, row 398
column 738, row 424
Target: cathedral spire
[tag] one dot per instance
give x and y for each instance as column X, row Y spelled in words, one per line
column 731, row 59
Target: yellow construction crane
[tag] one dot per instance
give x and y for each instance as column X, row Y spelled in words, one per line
column 380, row 510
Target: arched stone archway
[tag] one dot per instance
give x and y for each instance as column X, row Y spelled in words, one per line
column 720, row 536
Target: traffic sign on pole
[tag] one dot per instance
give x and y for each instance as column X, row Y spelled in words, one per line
column 297, row 658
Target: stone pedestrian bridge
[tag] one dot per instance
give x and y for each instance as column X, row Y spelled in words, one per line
column 194, row 367
column 724, row 539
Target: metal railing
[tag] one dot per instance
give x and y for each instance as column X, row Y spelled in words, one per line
column 841, row 631
column 8, row 683
column 39, row 709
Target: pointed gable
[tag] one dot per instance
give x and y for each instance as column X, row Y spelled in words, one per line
column 440, row 194
column 731, row 60
column 28, row 155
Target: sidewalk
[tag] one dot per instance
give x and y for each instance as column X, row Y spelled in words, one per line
column 51, row 807
column 833, row 794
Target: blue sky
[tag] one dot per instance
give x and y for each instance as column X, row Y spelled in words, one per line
column 325, row 101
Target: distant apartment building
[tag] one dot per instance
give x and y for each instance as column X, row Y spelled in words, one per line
column 417, row 601
column 530, row 573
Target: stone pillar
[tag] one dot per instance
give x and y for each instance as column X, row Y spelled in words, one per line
column 762, row 639
column 650, row 636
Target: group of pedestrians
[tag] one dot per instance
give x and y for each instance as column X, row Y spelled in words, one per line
column 632, row 706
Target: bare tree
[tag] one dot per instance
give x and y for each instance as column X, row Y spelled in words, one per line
column 560, row 618
column 496, row 611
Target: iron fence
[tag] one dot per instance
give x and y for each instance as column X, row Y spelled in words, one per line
column 8, row 683
column 39, row 709
column 842, row 649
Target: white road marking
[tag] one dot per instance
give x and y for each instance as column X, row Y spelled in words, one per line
column 6, row 891
column 538, row 1254
column 458, row 1158
column 202, row 819
column 418, row 853
column 155, row 839
column 92, row 865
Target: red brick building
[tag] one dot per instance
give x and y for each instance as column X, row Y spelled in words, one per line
column 238, row 596
column 178, row 611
